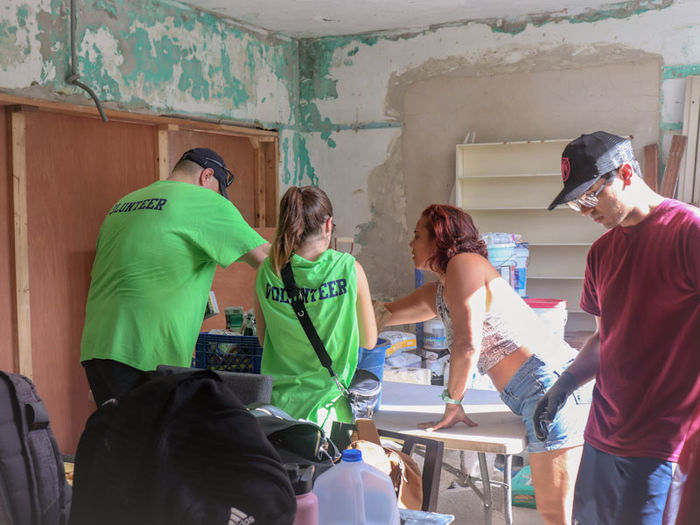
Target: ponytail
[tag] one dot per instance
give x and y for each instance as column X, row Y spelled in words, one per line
column 302, row 213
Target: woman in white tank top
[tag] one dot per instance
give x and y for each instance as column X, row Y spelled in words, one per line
column 490, row 327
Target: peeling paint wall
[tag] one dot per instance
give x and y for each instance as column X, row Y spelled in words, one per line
column 155, row 57
column 353, row 86
column 342, row 103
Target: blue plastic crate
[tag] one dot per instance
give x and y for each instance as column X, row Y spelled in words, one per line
column 230, row 353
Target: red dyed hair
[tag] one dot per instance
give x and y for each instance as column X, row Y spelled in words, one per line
column 454, row 232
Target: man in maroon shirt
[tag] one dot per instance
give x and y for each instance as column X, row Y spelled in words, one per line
column 642, row 284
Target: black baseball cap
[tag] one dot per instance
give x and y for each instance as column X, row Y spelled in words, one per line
column 588, row 158
column 208, row 158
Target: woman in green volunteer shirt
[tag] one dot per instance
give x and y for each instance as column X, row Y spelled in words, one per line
column 337, row 299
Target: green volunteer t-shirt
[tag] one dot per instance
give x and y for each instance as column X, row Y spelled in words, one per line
column 302, row 386
column 157, row 252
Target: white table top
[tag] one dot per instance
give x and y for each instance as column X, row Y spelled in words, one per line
column 499, row 431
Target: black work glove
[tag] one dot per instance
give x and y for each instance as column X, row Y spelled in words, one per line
column 550, row 403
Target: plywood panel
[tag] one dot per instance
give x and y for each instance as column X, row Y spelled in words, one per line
column 78, row 167
column 239, row 156
column 271, row 182
column 234, row 286
column 8, row 326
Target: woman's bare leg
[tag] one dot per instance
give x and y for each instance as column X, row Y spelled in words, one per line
column 553, row 478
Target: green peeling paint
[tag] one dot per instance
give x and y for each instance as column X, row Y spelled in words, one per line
column 302, row 163
column 310, row 120
column 100, row 80
column 689, row 70
column 109, row 6
column 192, row 81
column 515, row 25
column 671, row 126
column 152, row 61
column 168, row 44
column 22, row 14
column 9, row 50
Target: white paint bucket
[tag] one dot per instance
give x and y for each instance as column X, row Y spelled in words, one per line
column 434, row 335
column 552, row 312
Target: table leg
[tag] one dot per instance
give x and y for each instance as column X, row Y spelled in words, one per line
column 486, row 482
column 508, row 489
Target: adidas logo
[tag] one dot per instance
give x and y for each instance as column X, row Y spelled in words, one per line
column 239, row 517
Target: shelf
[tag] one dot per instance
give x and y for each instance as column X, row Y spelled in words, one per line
column 507, row 187
column 538, row 228
column 513, row 208
column 555, row 277
column 509, row 176
column 510, row 158
column 555, row 244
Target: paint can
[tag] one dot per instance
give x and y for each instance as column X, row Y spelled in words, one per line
column 434, row 337
column 553, row 312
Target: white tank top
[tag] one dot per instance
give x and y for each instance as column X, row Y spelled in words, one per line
column 506, row 331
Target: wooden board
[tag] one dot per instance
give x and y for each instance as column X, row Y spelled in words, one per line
column 21, row 244
column 675, row 156
column 77, row 169
column 8, row 328
column 651, row 165
column 689, row 176
column 271, row 156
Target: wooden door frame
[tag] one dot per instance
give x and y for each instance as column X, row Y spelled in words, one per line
column 264, row 184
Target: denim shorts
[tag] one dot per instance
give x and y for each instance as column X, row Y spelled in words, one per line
column 521, row 394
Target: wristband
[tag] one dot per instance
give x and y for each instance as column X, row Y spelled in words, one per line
column 447, row 399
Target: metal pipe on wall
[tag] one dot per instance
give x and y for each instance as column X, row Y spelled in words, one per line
column 74, row 76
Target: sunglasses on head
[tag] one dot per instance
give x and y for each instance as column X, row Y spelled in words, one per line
column 229, row 175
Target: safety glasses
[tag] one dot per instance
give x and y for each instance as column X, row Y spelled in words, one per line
column 589, row 200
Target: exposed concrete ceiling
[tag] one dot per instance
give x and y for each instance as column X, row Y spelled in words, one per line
column 314, row 18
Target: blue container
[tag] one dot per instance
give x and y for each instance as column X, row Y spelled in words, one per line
column 230, row 353
column 372, row 359
column 501, row 254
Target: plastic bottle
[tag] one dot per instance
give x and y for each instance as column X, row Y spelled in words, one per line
column 434, row 335
column 355, row 493
column 301, row 477
column 522, row 253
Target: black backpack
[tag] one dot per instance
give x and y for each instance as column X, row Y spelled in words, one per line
column 179, row 449
column 33, row 486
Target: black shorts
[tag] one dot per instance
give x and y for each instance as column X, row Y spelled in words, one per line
column 110, row 379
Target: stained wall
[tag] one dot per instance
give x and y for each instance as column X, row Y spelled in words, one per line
column 382, row 113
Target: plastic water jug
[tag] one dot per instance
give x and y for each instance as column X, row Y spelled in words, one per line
column 355, row 493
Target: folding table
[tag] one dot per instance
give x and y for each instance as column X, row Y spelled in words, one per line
column 499, row 431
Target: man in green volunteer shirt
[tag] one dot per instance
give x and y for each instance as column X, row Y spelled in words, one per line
column 157, row 252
